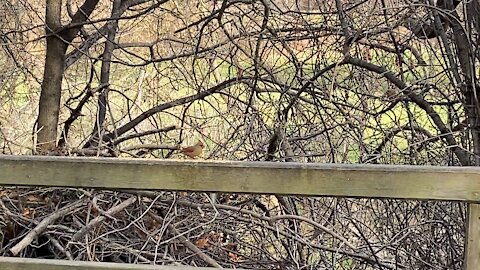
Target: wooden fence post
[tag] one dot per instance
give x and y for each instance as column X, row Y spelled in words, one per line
column 472, row 238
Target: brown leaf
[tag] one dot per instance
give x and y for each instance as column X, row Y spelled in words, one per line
column 202, row 242
column 28, row 212
column 34, row 198
column 234, row 257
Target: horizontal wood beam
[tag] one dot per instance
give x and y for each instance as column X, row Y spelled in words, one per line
column 374, row 181
column 8, row 263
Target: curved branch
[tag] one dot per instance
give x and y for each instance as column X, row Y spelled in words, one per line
column 392, row 133
column 162, row 107
column 445, row 132
column 146, row 133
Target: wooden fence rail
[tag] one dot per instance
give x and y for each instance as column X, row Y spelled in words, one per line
column 370, row 181
column 8, row 263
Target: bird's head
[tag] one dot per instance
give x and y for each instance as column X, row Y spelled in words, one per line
column 200, row 144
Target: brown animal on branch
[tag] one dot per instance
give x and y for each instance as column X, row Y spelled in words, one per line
column 193, row 151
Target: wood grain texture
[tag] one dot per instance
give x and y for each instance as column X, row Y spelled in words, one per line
column 8, row 263
column 374, row 181
column 472, row 239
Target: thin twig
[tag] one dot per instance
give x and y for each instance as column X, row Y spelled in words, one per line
column 186, row 242
column 42, row 226
column 96, row 221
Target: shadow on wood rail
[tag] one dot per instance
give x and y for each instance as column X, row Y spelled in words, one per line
column 340, row 180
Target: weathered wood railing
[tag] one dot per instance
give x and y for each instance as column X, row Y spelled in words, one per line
column 370, row 181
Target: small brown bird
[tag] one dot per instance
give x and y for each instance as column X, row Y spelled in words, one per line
column 193, row 151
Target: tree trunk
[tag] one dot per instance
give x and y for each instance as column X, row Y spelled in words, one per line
column 99, row 127
column 468, row 87
column 49, row 106
column 57, row 44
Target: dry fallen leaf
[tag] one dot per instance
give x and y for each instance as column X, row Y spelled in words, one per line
column 202, row 242
column 34, row 198
column 4, row 192
column 234, row 257
column 28, row 212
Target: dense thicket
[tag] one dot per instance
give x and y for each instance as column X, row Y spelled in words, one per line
column 387, row 82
